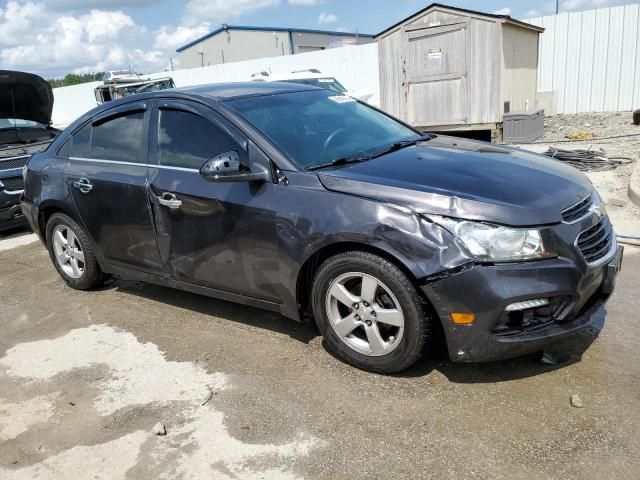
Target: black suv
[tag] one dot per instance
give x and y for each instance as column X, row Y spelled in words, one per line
column 307, row 202
column 26, row 101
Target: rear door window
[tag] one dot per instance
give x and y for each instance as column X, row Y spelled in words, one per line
column 188, row 140
column 119, row 138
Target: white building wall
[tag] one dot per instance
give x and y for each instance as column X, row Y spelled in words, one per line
column 591, row 59
column 356, row 67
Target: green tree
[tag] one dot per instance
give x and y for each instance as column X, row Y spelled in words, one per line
column 75, row 79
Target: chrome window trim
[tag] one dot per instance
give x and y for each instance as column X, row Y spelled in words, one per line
column 171, row 167
column 145, row 165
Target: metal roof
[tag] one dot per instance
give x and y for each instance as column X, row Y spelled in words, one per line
column 504, row 18
column 270, row 29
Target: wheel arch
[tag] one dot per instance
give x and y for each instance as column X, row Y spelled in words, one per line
column 47, row 210
column 309, row 268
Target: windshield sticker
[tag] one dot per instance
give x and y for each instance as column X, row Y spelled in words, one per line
column 342, row 99
column 325, row 80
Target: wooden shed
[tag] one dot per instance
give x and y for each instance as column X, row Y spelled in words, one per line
column 450, row 69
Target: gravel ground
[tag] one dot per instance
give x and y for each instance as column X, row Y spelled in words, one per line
column 612, row 185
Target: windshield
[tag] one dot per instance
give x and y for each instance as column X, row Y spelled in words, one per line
column 317, row 127
column 326, row 83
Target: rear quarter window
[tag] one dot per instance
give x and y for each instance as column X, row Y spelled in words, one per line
column 81, row 142
column 65, row 150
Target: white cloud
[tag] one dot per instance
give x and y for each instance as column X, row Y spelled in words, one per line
column 503, row 11
column 304, row 3
column 217, row 11
column 52, row 44
column 65, row 5
column 16, row 21
column 55, row 37
column 170, row 38
column 325, row 18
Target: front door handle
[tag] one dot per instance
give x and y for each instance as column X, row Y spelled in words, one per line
column 169, row 200
column 84, row 185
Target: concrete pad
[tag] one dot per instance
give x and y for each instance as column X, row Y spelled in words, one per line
column 245, row 394
column 17, row 240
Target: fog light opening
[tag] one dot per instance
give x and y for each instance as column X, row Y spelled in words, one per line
column 527, row 304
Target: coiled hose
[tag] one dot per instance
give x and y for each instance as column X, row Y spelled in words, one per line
column 589, row 160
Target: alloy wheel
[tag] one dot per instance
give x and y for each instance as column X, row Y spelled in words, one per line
column 365, row 314
column 68, row 251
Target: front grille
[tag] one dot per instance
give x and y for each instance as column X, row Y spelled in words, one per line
column 595, row 242
column 577, row 211
column 13, row 162
column 13, row 183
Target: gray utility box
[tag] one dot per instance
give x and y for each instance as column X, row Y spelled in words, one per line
column 523, row 127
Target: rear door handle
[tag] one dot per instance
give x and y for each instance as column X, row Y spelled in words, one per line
column 169, row 200
column 84, row 185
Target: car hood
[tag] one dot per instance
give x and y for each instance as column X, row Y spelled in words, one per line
column 466, row 179
column 25, row 96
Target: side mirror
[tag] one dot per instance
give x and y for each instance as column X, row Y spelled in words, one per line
column 227, row 167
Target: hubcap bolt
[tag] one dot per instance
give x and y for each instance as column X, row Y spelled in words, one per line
column 356, row 306
column 373, row 313
column 357, row 317
column 369, row 323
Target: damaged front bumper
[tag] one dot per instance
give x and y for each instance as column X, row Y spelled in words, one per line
column 575, row 297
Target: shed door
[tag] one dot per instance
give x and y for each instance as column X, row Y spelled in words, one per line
column 437, row 75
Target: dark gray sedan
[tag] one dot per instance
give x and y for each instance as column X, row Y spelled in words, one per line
column 309, row 203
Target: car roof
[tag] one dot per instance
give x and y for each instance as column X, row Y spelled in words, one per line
column 229, row 91
column 214, row 92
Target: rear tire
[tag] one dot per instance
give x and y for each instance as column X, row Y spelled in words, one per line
column 370, row 313
column 72, row 253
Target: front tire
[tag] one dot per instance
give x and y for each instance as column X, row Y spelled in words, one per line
column 369, row 312
column 72, row 253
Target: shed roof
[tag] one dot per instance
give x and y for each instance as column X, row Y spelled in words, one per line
column 270, row 29
column 433, row 6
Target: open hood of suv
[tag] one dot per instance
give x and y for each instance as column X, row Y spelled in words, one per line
column 25, row 96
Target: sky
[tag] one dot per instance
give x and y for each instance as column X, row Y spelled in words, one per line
column 55, row 37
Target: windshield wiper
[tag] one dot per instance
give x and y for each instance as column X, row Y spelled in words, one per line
column 400, row 145
column 391, row 148
column 339, row 161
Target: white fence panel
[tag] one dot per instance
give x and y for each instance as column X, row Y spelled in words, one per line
column 356, row 67
column 591, row 59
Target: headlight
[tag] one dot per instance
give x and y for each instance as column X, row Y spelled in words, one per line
column 495, row 243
